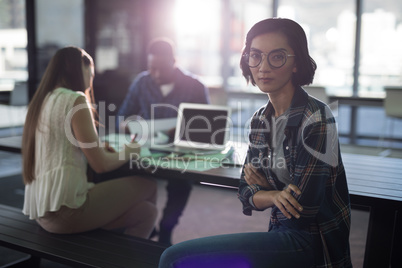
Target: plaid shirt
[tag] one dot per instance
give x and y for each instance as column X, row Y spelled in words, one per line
column 315, row 166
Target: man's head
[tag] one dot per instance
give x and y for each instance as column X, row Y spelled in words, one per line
column 161, row 61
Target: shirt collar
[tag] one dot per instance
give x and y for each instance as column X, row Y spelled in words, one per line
column 299, row 103
column 297, row 106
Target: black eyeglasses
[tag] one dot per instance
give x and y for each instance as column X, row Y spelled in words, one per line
column 276, row 58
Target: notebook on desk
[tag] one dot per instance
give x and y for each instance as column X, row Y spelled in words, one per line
column 200, row 128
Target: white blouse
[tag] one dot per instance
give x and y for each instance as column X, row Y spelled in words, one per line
column 60, row 165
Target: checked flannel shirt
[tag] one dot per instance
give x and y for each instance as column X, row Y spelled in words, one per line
column 313, row 158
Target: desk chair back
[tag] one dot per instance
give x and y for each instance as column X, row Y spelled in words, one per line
column 19, row 95
column 318, row 92
column 392, row 102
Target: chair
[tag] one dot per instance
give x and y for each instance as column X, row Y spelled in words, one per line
column 318, row 92
column 19, row 95
column 392, row 102
column 392, row 105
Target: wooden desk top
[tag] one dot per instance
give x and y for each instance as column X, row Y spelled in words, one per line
column 374, row 180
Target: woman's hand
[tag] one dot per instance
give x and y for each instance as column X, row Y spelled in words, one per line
column 253, row 176
column 108, row 148
column 286, row 203
column 283, row 200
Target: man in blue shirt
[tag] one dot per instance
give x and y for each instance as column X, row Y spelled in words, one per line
column 164, row 83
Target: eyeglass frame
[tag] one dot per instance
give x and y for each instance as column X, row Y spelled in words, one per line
column 246, row 57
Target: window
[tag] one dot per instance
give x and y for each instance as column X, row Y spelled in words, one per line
column 380, row 51
column 117, row 34
column 330, row 30
column 13, row 64
column 209, row 40
column 198, row 38
column 213, row 51
column 59, row 23
column 13, row 44
column 244, row 14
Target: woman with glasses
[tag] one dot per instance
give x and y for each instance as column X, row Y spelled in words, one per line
column 293, row 166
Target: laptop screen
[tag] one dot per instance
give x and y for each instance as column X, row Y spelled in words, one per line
column 203, row 124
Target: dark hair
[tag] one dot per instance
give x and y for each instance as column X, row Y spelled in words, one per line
column 161, row 47
column 297, row 40
column 63, row 70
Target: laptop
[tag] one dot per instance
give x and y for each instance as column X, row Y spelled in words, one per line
column 200, row 129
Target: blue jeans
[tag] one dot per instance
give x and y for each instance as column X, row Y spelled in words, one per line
column 280, row 247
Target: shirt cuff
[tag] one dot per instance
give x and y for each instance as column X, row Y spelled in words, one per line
column 250, row 200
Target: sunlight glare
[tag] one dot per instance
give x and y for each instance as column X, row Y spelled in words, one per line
column 196, row 16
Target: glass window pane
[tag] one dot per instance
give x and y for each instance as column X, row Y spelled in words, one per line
column 118, row 37
column 343, row 120
column 244, row 14
column 198, row 42
column 13, row 44
column 381, row 40
column 366, row 118
column 59, row 23
column 13, row 66
column 330, row 30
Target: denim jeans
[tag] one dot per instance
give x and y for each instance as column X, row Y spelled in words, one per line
column 280, row 247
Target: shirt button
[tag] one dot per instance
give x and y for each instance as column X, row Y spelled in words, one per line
column 287, row 147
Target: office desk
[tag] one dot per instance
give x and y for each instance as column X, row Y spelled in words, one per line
column 374, row 182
